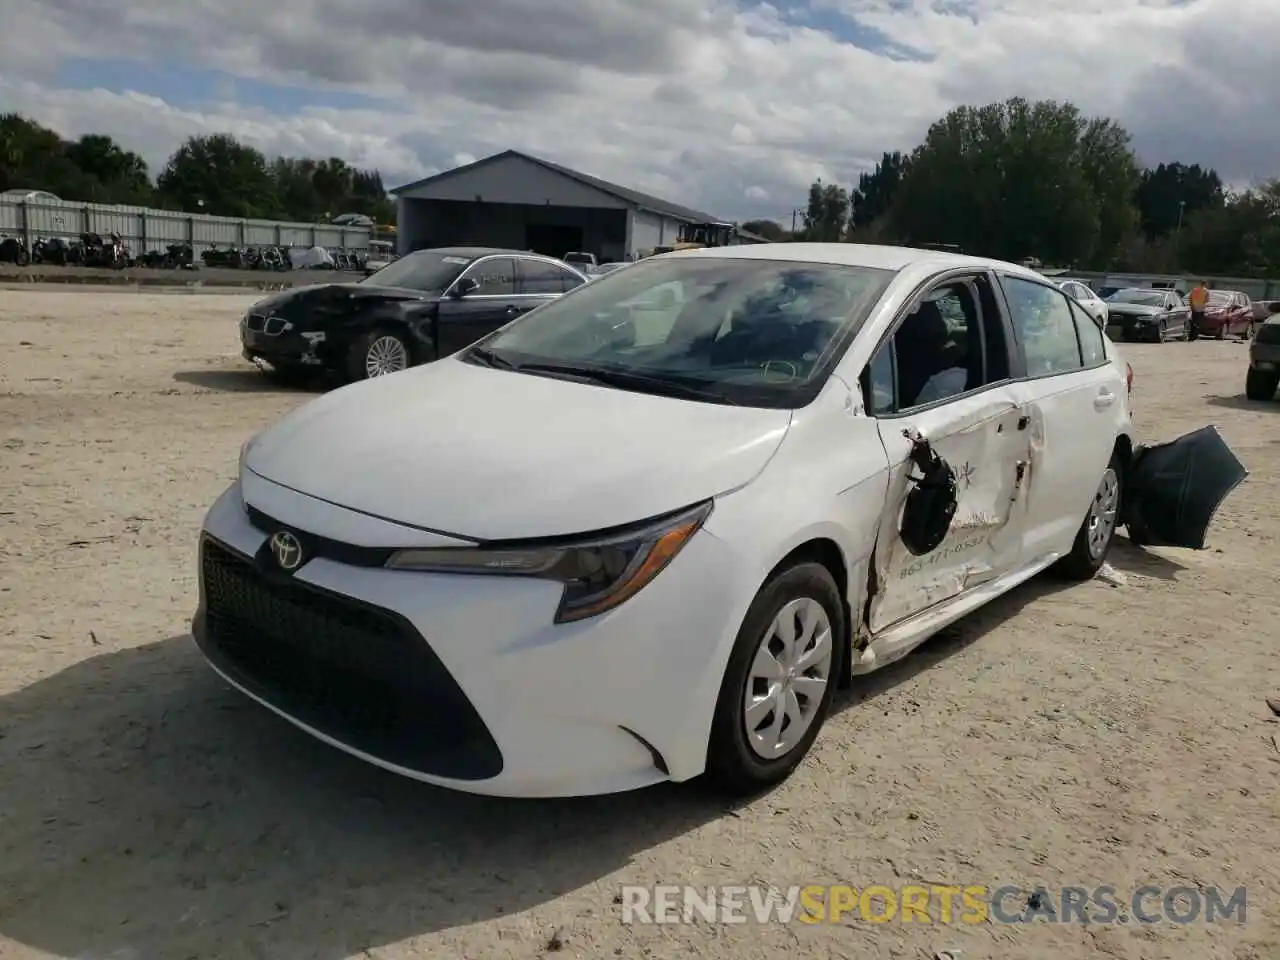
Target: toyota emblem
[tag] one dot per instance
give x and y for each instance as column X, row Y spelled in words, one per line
column 287, row 550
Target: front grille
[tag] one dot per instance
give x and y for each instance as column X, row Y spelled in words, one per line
column 260, row 323
column 357, row 673
column 1268, row 333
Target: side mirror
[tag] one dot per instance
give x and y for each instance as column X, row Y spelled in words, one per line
column 465, row 286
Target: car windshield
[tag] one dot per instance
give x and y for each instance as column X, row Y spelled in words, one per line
column 428, row 270
column 752, row 332
column 1146, row 298
column 1220, row 297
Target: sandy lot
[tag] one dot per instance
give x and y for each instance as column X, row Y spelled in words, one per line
column 1088, row 735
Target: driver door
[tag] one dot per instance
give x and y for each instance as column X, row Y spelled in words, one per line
column 944, row 372
column 465, row 319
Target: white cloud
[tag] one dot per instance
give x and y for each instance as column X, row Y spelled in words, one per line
column 730, row 109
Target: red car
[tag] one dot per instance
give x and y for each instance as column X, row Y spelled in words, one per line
column 1228, row 311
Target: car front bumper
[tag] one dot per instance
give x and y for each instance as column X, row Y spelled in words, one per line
column 465, row 681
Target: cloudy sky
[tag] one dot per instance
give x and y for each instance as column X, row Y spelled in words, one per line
column 724, row 105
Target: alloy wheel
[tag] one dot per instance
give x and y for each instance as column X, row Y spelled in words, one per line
column 788, row 678
column 1102, row 513
column 385, row 355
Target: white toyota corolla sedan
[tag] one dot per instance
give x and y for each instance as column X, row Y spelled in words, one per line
column 645, row 531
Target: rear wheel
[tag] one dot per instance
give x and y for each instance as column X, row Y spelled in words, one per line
column 1093, row 539
column 779, row 682
column 1261, row 384
column 377, row 354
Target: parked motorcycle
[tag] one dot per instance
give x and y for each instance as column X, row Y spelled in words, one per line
column 54, row 251
column 98, row 252
column 13, row 250
column 229, row 259
column 272, row 258
column 176, row 256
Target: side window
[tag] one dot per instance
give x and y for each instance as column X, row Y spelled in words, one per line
column 540, row 277
column 1092, row 349
column 1073, row 290
column 496, row 276
column 881, row 382
column 1043, row 320
column 950, row 342
column 569, row 280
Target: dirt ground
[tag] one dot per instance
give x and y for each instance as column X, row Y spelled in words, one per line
column 1096, row 734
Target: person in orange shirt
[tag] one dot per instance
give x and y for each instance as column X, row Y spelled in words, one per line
column 1199, row 299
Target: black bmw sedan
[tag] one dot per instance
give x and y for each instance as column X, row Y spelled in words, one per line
column 1140, row 313
column 425, row 305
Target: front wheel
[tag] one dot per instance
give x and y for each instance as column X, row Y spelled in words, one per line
column 1162, row 332
column 1098, row 529
column 779, row 682
column 377, row 354
column 1261, row 384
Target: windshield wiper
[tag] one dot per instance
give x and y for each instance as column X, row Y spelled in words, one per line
column 489, row 359
column 625, row 380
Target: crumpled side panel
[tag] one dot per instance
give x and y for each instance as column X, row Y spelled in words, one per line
column 992, row 458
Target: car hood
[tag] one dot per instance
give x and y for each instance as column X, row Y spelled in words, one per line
column 1134, row 309
column 488, row 454
column 334, row 294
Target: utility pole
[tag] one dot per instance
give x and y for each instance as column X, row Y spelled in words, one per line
column 793, row 220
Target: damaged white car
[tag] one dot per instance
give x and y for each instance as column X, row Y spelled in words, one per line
column 645, row 531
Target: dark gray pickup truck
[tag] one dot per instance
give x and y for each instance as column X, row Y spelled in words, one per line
column 1264, row 359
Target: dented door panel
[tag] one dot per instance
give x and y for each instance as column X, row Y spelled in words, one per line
column 1072, row 425
column 985, row 440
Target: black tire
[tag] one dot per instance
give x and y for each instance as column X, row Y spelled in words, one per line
column 1260, row 384
column 1221, row 333
column 1083, row 562
column 1162, row 331
column 1248, row 332
column 733, row 766
column 1186, row 331
column 358, row 356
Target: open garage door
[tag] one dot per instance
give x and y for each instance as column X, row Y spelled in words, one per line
column 553, row 240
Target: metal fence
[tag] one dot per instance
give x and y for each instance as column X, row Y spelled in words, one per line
column 144, row 229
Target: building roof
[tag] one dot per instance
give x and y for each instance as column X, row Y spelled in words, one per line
column 627, row 195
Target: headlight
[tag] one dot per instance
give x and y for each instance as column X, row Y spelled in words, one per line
column 598, row 573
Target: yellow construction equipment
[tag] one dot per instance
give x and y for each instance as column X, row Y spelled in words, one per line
column 694, row 236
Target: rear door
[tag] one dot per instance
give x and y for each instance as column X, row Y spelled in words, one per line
column 540, row 281
column 943, row 370
column 464, row 320
column 1179, row 314
column 1073, row 397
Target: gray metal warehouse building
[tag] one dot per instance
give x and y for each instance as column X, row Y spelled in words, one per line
column 515, row 200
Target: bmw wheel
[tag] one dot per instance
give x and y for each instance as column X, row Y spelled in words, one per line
column 779, row 682
column 377, row 354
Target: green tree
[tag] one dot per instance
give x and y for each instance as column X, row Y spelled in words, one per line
column 1239, row 238
column 1171, row 192
column 874, row 194
column 118, row 175
column 827, row 214
column 1016, row 180
column 34, row 157
column 217, row 174
column 769, row 229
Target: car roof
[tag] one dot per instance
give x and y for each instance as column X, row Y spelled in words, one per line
column 476, row 252
column 876, row 256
